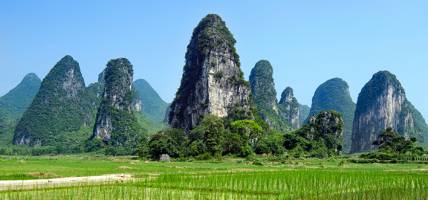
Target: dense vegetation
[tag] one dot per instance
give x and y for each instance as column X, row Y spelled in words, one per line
column 334, row 95
column 116, row 126
column 264, row 95
column 420, row 128
column 60, row 107
column 13, row 105
column 392, row 146
column 153, row 106
column 215, row 137
column 321, row 137
column 16, row 101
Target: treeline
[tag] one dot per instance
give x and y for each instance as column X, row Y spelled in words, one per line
column 215, row 137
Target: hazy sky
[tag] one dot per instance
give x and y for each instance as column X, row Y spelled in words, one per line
column 307, row 42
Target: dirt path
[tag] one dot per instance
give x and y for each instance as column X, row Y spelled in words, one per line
column 68, row 181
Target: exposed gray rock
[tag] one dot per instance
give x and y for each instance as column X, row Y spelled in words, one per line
column 212, row 81
column 330, row 125
column 165, row 158
column 290, row 108
column 118, row 100
column 382, row 104
column 328, row 122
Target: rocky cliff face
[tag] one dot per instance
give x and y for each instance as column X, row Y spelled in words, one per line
column 59, row 106
column 16, row 101
column 264, row 95
column 382, row 104
column 115, row 122
column 290, row 108
column 304, row 113
column 212, row 81
column 334, row 95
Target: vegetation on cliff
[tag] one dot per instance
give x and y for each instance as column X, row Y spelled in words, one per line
column 116, row 125
column 321, row 137
column 153, row 106
column 60, row 107
column 384, row 92
column 334, row 95
column 264, row 95
column 212, row 81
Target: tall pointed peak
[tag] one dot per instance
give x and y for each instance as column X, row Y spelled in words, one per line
column 212, row 81
column 212, row 34
column 286, row 94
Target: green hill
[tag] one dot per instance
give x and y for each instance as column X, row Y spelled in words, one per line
column 153, row 107
column 59, row 108
column 16, row 101
column 334, row 95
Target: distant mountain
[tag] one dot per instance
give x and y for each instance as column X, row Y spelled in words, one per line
column 153, row 107
column 3, row 123
column 382, row 104
column 6, row 129
column 304, row 113
column 334, row 95
column 17, row 100
column 264, row 96
column 59, row 108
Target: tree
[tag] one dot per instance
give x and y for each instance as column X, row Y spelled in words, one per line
column 242, row 137
column 392, row 142
column 392, row 146
column 270, row 144
column 168, row 141
column 211, row 133
column 320, row 138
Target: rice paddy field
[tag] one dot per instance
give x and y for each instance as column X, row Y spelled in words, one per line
column 226, row 179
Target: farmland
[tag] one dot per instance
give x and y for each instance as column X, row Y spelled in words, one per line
column 229, row 178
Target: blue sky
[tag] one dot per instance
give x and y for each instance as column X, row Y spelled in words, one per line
column 307, row 42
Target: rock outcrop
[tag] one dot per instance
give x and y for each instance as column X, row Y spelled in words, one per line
column 382, row 104
column 59, row 107
column 16, row 101
column 330, row 125
column 320, row 137
column 334, row 95
column 153, row 107
column 212, row 81
column 115, row 122
column 328, row 122
column 264, row 95
column 290, row 108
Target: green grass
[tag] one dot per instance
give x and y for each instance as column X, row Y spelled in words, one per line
column 228, row 179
